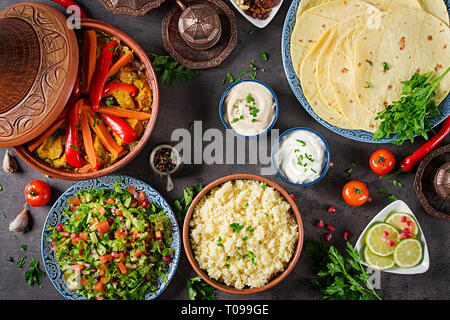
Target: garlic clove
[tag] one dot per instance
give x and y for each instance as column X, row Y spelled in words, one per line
column 9, row 163
column 20, row 223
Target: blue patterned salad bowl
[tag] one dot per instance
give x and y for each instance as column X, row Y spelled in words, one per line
column 55, row 217
column 294, row 82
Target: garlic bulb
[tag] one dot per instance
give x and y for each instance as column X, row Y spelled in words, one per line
column 20, row 223
column 9, row 163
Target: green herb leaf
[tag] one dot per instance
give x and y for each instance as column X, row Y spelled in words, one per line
column 34, row 275
column 181, row 205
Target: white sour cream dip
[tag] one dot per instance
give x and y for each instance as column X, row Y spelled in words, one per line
column 301, row 156
column 249, row 108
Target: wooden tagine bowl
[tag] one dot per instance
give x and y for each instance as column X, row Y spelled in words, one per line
column 432, row 183
column 221, row 286
column 40, row 58
column 132, row 8
column 199, row 34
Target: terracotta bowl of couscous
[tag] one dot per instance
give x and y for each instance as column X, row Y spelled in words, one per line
column 243, row 234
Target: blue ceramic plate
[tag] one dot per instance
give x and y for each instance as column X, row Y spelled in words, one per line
column 54, row 218
column 358, row 135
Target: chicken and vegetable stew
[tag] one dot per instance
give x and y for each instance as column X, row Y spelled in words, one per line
column 108, row 110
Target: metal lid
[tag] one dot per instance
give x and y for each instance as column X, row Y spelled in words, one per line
column 39, row 61
column 200, row 26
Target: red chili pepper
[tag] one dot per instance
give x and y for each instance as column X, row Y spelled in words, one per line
column 116, row 86
column 410, row 162
column 101, row 72
column 68, row 3
column 72, row 148
column 120, row 127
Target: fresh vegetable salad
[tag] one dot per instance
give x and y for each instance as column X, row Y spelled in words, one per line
column 114, row 244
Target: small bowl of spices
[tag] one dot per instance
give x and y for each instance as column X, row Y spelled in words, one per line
column 165, row 159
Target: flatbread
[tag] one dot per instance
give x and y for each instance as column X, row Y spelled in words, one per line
column 341, row 74
column 311, row 91
column 380, row 4
column 408, row 41
column 315, row 22
column 437, row 8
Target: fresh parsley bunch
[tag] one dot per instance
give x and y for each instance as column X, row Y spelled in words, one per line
column 34, row 275
column 339, row 278
column 198, row 289
column 168, row 69
column 181, row 205
column 412, row 114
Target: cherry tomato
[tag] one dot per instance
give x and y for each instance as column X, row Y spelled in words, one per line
column 382, row 161
column 37, row 193
column 355, row 193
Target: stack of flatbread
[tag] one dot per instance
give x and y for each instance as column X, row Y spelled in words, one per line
column 351, row 55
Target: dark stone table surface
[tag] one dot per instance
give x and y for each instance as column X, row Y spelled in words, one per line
column 197, row 100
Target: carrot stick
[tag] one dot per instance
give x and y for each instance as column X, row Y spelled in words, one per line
column 87, row 139
column 89, row 59
column 103, row 135
column 124, row 113
column 123, row 60
column 39, row 140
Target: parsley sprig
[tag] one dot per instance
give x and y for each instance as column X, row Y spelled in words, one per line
column 168, row 69
column 412, row 114
column 339, row 278
column 198, row 289
column 181, row 205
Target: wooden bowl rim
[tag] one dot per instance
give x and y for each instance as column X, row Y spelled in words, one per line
column 44, row 168
column 219, row 285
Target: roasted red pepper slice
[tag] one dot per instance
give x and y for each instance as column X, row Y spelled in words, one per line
column 101, row 72
column 116, row 86
column 72, row 148
column 120, row 127
column 68, row 3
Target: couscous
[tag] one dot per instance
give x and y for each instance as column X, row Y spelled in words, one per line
column 243, row 233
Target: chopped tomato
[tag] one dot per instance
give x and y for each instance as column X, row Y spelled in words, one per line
column 122, row 268
column 137, row 253
column 158, row 235
column 110, row 201
column 84, row 236
column 102, row 226
column 105, row 258
column 99, row 287
column 101, row 210
column 74, row 202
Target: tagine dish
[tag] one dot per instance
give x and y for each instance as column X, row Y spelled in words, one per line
column 107, row 113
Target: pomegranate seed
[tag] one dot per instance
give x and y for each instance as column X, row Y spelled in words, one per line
column 81, row 251
column 409, row 223
column 144, row 204
column 402, row 236
column 75, row 235
column 110, row 220
column 331, row 165
column 60, row 227
column 293, row 197
column 166, row 258
column 332, row 209
column 346, row 235
column 331, row 228
column 408, row 234
column 320, row 224
column 390, row 243
column 114, row 254
column 403, row 219
column 327, row 237
column 385, row 234
column 148, row 277
column 369, row 199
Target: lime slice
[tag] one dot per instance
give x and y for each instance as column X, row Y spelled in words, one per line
column 408, row 253
column 401, row 221
column 377, row 262
column 381, row 239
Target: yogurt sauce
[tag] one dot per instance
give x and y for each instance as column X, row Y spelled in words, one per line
column 301, row 156
column 249, row 108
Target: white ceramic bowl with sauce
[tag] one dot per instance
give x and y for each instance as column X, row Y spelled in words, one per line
column 303, row 161
column 224, row 108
